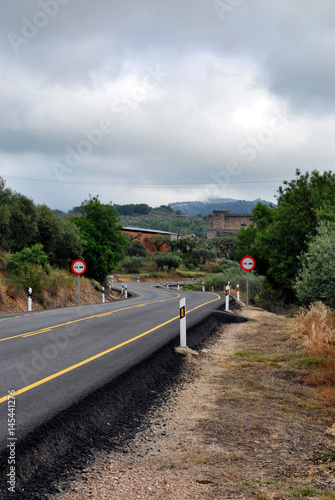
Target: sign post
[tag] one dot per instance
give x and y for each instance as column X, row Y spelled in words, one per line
column 78, row 267
column 247, row 263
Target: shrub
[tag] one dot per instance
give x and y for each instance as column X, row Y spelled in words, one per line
column 315, row 327
column 132, row 264
column 22, row 261
column 169, row 260
column 315, row 280
column 136, row 249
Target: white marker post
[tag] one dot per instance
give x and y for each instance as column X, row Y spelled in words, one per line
column 30, row 300
column 203, row 286
column 229, row 287
column 182, row 312
column 227, row 298
column 178, row 287
column 103, row 294
column 238, row 292
column 125, row 291
column 247, row 263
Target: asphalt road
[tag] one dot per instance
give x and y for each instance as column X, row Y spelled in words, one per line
column 53, row 358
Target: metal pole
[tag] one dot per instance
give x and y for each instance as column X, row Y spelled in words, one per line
column 247, row 287
column 78, row 289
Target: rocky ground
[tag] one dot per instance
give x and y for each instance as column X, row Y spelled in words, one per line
column 241, row 425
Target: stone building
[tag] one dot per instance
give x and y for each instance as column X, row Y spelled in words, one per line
column 225, row 223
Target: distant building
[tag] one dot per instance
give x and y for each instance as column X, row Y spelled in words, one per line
column 225, row 223
column 146, row 234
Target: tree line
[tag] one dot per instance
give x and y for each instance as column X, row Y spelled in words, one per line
column 93, row 234
column 294, row 243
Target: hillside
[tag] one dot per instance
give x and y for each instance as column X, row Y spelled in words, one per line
column 205, row 208
column 165, row 219
column 185, row 217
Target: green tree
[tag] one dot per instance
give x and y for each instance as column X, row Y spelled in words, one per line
column 225, row 246
column 203, row 254
column 60, row 237
column 282, row 233
column 169, row 260
column 158, row 241
column 316, row 277
column 18, row 228
column 104, row 242
column 136, row 249
column 132, row 264
column 184, row 245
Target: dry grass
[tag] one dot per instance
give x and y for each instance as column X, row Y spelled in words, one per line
column 315, row 327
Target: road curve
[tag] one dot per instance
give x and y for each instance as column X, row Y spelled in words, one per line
column 53, row 358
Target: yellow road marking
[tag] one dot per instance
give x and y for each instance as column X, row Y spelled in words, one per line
column 100, row 315
column 96, row 356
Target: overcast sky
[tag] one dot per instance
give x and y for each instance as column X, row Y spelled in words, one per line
column 158, row 101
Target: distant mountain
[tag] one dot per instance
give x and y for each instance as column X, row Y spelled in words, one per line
column 205, row 208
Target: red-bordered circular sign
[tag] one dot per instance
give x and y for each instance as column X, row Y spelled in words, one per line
column 247, row 263
column 78, row 266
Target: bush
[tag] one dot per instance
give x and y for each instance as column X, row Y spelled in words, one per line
column 132, row 264
column 21, row 262
column 29, row 268
column 136, row 249
column 169, row 260
column 315, row 280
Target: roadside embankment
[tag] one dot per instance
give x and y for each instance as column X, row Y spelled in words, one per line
column 242, row 424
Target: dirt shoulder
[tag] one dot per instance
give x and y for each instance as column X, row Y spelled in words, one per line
column 242, row 426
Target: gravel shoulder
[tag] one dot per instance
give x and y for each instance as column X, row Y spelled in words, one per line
column 242, row 425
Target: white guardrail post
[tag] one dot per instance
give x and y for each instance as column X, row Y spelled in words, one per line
column 182, row 312
column 103, row 294
column 227, row 298
column 30, row 301
column 126, row 291
column 238, row 292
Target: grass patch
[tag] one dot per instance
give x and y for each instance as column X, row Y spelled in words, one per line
column 251, row 355
column 329, row 457
column 307, row 491
column 310, row 361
